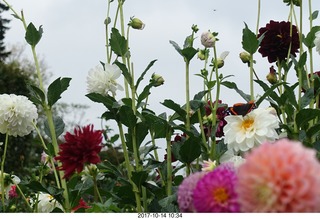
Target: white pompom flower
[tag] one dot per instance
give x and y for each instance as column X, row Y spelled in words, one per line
column 103, row 81
column 245, row 132
column 17, row 115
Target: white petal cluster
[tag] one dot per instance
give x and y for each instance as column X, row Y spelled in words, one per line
column 245, row 132
column 46, row 203
column 230, row 156
column 317, row 41
column 17, row 114
column 103, row 81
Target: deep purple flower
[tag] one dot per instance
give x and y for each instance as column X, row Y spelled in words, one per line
column 215, row 192
column 276, row 42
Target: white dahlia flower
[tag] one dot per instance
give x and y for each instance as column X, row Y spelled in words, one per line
column 17, row 114
column 230, row 156
column 245, row 132
column 103, row 81
column 46, row 203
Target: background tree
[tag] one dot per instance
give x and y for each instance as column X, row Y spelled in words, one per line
column 3, row 28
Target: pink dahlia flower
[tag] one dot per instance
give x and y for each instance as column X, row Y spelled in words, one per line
column 215, row 192
column 185, row 192
column 283, row 176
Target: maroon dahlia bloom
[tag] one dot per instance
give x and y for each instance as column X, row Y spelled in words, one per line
column 79, row 148
column 276, row 42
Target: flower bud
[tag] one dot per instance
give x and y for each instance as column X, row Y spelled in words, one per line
column 156, row 80
column 245, row 57
column 220, row 62
column 208, row 39
column 272, row 77
column 195, row 28
column 202, row 54
column 136, row 23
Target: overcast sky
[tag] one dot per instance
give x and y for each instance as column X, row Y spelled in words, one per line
column 74, row 41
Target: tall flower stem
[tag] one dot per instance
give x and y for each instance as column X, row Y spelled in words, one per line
column 129, row 167
column 215, row 106
column 169, row 164
column 187, row 95
column 2, row 172
column 24, row 197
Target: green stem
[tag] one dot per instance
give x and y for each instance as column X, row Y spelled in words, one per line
column 169, row 164
column 203, row 135
column 187, row 96
column 107, row 33
column 251, row 78
column 97, row 196
column 129, row 167
column 24, row 197
column 258, row 17
column 2, row 172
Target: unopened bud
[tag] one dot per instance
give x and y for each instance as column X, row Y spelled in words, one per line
column 156, row 80
column 272, row 77
column 208, row 39
column 245, row 57
column 136, row 23
column 195, row 28
column 220, row 62
column 202, row 54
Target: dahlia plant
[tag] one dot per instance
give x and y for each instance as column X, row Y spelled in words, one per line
column 258, row 154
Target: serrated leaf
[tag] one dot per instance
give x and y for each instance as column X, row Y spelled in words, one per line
column 118, row 43
column 33, row 35
column 250, row 42
column 56, row 88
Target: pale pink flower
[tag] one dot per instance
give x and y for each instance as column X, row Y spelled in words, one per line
column 283, row 176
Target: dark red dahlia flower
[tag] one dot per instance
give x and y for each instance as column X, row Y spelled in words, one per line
column 276, row 42
column 221, row 113
column 79, row 148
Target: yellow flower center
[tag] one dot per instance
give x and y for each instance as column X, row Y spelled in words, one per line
column 247, row 123
column 220, row 195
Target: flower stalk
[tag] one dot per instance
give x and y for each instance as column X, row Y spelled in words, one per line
column 2, row 172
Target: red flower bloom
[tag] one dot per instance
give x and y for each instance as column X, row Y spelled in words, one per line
column 82, row 204
column 79, row 148
column 276, row 41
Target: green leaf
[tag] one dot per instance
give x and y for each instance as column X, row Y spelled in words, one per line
column 307, row 98
column 144, row 94
column 200, row 95
column 56, row 88
column 58, row 125
column 309, row 39
column 107, row 101
column 176, row 46
column 305, row 115
column 233, row 85
column 144, row 72
column 127, row 116
column 125, row 71
column 118, row 43
column 156, row 123
column 36, row 95
column 314, row 130
column 314, row 15
column 33, row 35
column 139, row 177
column 250, row 43
column 190, row 149
column 188, row 53
column 176, row 108
column 37, row 186
column 268, row 92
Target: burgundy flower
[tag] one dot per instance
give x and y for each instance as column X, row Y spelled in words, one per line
column 79, row 148
column 221, row 113
column 277, row 39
